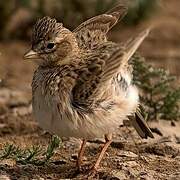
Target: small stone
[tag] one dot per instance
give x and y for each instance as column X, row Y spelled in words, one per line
column 127, row 154
column 130, row 164
column 105, row 164
column 119, row 175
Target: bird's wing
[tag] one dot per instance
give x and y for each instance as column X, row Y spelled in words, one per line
column 93, row 31
column 97, row 69
column 100, row 67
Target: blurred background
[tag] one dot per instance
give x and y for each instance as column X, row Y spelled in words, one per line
column 160, row 49
column 156, row 73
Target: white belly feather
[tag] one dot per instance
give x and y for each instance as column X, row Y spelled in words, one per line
column 71, row 124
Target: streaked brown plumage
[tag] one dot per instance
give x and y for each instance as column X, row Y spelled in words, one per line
column 82, row 87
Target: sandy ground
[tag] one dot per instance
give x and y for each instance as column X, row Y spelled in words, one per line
column 158, row 158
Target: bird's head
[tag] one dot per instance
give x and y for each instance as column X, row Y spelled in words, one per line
column 51, row 42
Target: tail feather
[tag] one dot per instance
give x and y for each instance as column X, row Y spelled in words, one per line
column 141, row 126
column 133, row 44
column 138, row 121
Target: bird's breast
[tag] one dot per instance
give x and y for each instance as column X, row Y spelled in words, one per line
column 54, row 111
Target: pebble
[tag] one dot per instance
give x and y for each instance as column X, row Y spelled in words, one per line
column 119, row 175
column 127, row 154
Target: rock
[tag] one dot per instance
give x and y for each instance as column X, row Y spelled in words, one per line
column 118, row 175
column 130, row 164
column 131, row 168
column 127, row 154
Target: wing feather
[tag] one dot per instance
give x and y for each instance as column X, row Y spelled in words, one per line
column 95, row 72
column 93, row 31
column 100, row 66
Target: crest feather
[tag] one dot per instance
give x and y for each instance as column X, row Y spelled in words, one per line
column 45, row 28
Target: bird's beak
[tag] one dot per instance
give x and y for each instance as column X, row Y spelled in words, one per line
column 31, row 55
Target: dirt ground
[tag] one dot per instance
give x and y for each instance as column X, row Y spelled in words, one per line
column 150, row 159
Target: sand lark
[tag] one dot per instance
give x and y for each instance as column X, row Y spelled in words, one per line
column 83, row 85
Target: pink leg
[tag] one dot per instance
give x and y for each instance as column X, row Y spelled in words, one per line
column 80, row 154
column 108, row 139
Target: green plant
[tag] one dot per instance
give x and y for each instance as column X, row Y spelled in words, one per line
column 158, row 94
column 35, row 155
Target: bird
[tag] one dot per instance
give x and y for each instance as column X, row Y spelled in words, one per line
column 83, row 85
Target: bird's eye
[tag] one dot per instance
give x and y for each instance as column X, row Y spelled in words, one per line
column 50, row 45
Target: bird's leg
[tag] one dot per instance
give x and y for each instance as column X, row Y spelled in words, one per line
column 80, row 154
column 108, row 138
